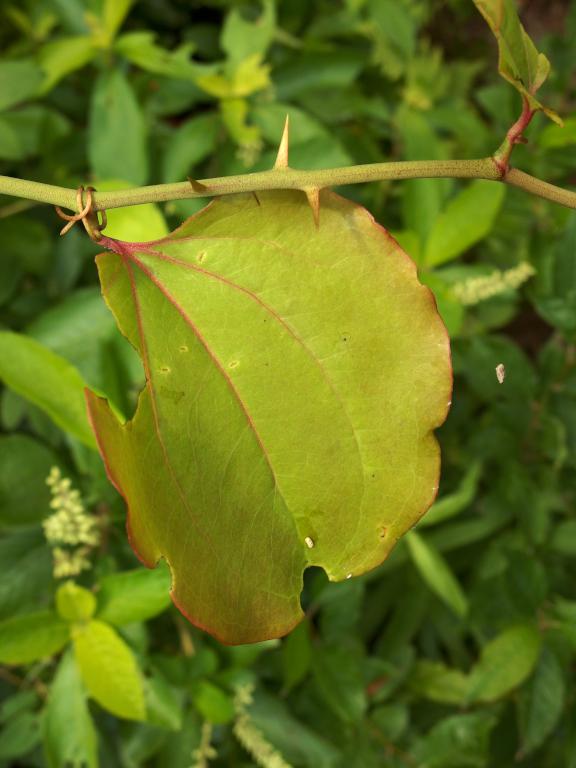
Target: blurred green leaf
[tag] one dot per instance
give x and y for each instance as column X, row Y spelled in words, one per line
column 458, row 741
column 437, row 682
column 191, row 143
column 114, row 14
column 541, row 702
column 214, row 705
column 452, row 504
column 164, row 703
column 108, row 670
column 505, row 662
column 241, row 38
column 31, row 637
column 59, row 58
column 140, row 49
column 134, row 595
column 48, row 381
column 466, row 220
column 24, row 467
column 19, row 737
column 436, row 573
column 74, row 603
column 338, row 676
column 117, row 129
column 19, row 80
column 296, row 656
column 68, row 733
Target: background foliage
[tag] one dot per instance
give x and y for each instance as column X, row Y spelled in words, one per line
column 457, row 652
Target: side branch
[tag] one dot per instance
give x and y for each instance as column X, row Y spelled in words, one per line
column 289, row 178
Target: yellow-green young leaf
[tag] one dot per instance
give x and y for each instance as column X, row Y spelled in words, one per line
column 466, row 220
column 68, row 733
column 134, row 595
column 47, row 380
column 34, row 636
column 436, row 573
column 519, row 61
column 75, row 604
column 138, row 222
column 295, row 375
column 109, row 670
column 505, row 662
column 114, row 13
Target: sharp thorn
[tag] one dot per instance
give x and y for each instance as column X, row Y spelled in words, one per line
column 197, row 186
column 282, row 156
column 255, row 196
column 313, row 195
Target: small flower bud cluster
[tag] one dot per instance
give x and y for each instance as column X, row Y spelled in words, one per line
column 251, row 738
column 477, row 289
column 70, row 530
column 205, row 751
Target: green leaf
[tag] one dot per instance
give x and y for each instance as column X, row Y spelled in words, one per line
column 24, row 467
column 114, row 15
column 519, row 61
column 564, row 538
column 541, row 702
column 295, row 741
column 437, row 682
column 109, row 670
column 241, row 38
column 460, row 741
column 436, row 573
column 451, row 505
column 296, row 656
column 466, row 220
column 505, row 662
column 117, row 129
column 192, row 142
column 61, row 57
column 68, row 733
column 251, row 368
column 212, row 702
column 134, row 595
column 138, row 222
column 34, row 636
column 140, row 49
column 74, row 603
column 339, row 679
column 164, row 705
column 19, row 80
column 18, row 737
column 46, row 380
column 26, row 571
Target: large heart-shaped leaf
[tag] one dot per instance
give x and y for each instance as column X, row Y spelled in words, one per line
column 294, row 377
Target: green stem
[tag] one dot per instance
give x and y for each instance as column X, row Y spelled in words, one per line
column 289, row 178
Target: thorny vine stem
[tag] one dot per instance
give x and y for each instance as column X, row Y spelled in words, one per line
column 494, row 168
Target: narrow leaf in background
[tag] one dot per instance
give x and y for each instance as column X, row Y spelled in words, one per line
column 117, row 130
column 436, row 573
